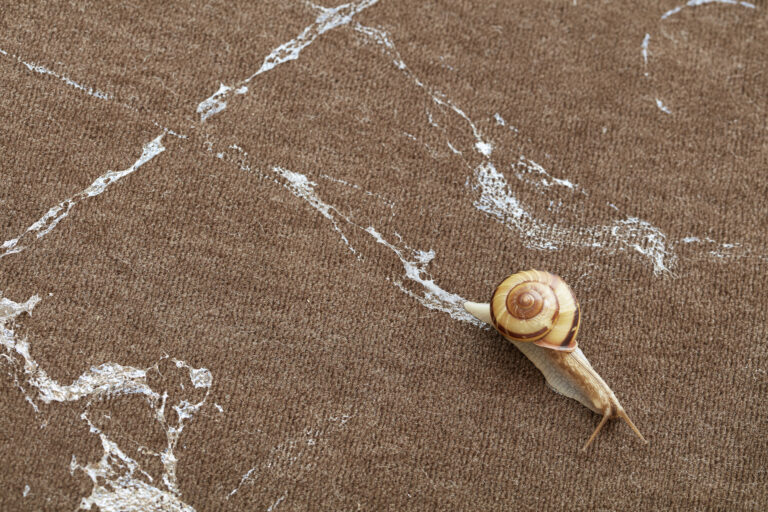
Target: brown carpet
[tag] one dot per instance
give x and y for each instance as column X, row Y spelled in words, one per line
column 237, row 237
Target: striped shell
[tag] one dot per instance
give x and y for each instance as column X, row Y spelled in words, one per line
column 535, row 306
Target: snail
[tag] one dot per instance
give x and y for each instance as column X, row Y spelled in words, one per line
column 539, row 314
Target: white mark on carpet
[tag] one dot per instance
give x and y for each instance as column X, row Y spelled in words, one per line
column 500, row 121
column 414, row 262
column 38, row 68
column 303, row 188
column 719, row 250
column 57, row 213
column 213, row 104
column 431, row 120
column 388, row 202
column 290, row 455
column 328, row 19
column 119, row 483
column 644, row 50
column 277, row 502
column 662, row 107
column 530, row 172
column 696, row 3
column 169, row 131
column 430, row 295
column 497, row 201
column 90, row 91
column 486, row 148
column 383, row 39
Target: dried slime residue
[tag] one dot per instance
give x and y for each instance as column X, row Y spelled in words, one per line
column 119, row 482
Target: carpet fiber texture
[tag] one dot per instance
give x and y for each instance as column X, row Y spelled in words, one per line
column 236, row 238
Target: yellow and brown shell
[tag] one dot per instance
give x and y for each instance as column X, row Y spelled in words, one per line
column 538, row 307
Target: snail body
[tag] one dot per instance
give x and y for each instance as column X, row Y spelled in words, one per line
column 539, row 314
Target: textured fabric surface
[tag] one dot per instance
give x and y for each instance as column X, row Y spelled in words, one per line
column 237, row 237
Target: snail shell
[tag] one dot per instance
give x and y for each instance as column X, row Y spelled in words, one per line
column 538, row 307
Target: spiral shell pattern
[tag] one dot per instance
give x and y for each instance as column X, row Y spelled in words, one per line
column 535, row 306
